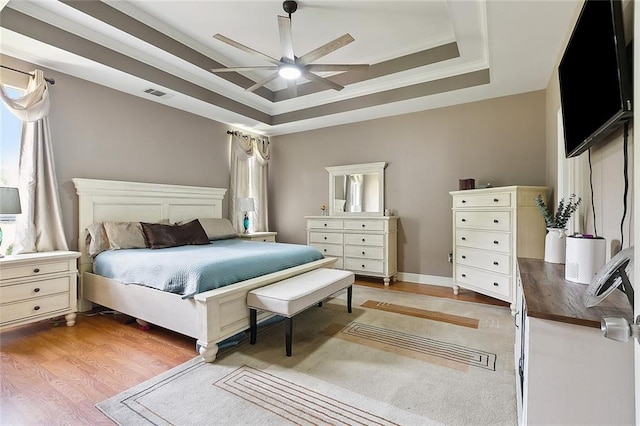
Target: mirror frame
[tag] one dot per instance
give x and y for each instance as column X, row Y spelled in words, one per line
column 367, row 168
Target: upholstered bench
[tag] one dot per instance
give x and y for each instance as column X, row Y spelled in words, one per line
column 293, row 295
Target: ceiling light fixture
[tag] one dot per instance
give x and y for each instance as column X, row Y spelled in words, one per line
column 289, row 71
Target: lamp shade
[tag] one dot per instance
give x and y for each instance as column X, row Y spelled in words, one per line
column 9, row 201
column 246, row 205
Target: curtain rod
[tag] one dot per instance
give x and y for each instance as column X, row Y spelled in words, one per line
column 48, row 80
column 229, row 132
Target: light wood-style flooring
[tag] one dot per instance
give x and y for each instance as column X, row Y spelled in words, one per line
column 51, row 374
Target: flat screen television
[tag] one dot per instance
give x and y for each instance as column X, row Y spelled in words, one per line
column 595, row 77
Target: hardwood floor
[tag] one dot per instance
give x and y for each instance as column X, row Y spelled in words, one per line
column 54, row 375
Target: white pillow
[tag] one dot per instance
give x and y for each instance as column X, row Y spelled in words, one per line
column 218, row 229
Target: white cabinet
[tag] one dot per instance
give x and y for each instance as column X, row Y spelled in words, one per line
column 567, row 372
column 491, row 228
column 364, row 245
column 38, row 286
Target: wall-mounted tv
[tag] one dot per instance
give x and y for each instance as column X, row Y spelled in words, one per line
column 595, row 77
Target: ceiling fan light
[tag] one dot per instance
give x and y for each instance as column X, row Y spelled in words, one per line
column 290, row 72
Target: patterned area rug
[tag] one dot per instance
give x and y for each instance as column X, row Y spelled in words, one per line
column 375, row 366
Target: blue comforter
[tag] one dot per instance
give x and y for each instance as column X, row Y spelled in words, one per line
column 188, row 270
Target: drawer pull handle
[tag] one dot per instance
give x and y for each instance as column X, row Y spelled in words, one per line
column 496, row 284
column 496, row 221
column 496, row 242
column 464, row 238
column 36, row 290
column 495, row 200
column 464, row 220
column 35, row 271
column 464, row 257
column 36, row 308
column 464, row 201
column 495, row 263
column 464, row 275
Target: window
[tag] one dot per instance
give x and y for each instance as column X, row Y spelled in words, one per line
column 10, row 130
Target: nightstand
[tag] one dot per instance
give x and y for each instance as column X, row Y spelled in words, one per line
column 260, row 236
column 38, row 286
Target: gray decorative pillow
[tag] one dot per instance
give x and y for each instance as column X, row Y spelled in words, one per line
column 218, row 229
column 97, row 239
column 124, row 235
column 163, row 236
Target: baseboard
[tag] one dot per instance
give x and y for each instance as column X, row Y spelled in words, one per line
column 425, row 279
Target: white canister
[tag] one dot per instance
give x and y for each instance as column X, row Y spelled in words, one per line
column 585, row 257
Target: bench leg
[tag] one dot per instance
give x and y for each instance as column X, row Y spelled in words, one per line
column 319, row 304
column 288, row 329
column 349, row 297
column 253, row 324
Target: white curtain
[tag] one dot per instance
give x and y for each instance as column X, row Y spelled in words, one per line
column 39, row 227
column 248, row 179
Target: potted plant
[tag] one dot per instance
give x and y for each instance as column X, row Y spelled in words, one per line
column 555, row 241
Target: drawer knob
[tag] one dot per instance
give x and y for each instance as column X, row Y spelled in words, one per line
column 325, row 224
column 363, row 240
column 362, row 266
column 35, row 271
column 36, row 290
column 363, row 253
column 464, row 275
column 495, row 242
column 496, row 221
column 325, row 238
column 36, row 308
column 464, row 238
column 496, row 284
column 464, row 257
column 464, row 201
column 495, row 263
column 363, row 225
column 325, row 250
column 464, row 220
column 495, row 200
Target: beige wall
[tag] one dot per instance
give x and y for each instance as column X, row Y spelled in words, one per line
column 105, row 134
column 501, row 141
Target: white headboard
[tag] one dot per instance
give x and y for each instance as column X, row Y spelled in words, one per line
column 109, row 200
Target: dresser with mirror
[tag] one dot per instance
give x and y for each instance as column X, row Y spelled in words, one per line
column 356, row 231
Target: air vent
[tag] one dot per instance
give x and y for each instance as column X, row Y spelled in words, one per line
column 155, row 92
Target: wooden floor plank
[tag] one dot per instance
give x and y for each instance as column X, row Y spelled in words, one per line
column 54, row 375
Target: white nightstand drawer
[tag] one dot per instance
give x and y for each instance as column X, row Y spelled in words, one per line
column 33, row 289
column 364, row 239
column 484, row 240
column 364, row 252
column 364, row 225
column 498, row 199
column 34, row 307
column 33, row 269
column 495, row 283
column 489, row 260
column 364, row 265
column 325, row 237
column 497, row 221
column 325, row 224
column 329, row 249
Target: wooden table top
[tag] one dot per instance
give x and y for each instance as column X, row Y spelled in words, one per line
column 549, row 296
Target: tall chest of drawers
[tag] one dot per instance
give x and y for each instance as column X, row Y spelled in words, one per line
column 364, row 245
column 491, row 228
column 38, row 286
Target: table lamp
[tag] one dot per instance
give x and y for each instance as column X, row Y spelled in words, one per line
column 9, row 205
column 246, row 205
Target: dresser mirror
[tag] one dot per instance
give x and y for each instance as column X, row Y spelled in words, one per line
column 356, row 189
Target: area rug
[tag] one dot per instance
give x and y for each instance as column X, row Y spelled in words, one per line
column 398, row 358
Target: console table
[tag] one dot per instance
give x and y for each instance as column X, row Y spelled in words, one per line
column 567, row 372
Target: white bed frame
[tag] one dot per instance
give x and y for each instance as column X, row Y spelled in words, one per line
column 209, row 317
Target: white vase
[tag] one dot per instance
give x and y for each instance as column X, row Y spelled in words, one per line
column 555, row 245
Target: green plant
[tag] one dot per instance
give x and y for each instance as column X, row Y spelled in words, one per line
column 563, row 213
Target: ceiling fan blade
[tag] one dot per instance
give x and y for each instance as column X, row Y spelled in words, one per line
column 262, row 82
column 245, row 48
column 286, row 38
column 318, row 79
column 292, row 88
column 336, row 67
column 236, row 69
column 325, row 49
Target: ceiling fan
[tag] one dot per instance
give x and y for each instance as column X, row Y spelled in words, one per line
column 289, row 66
